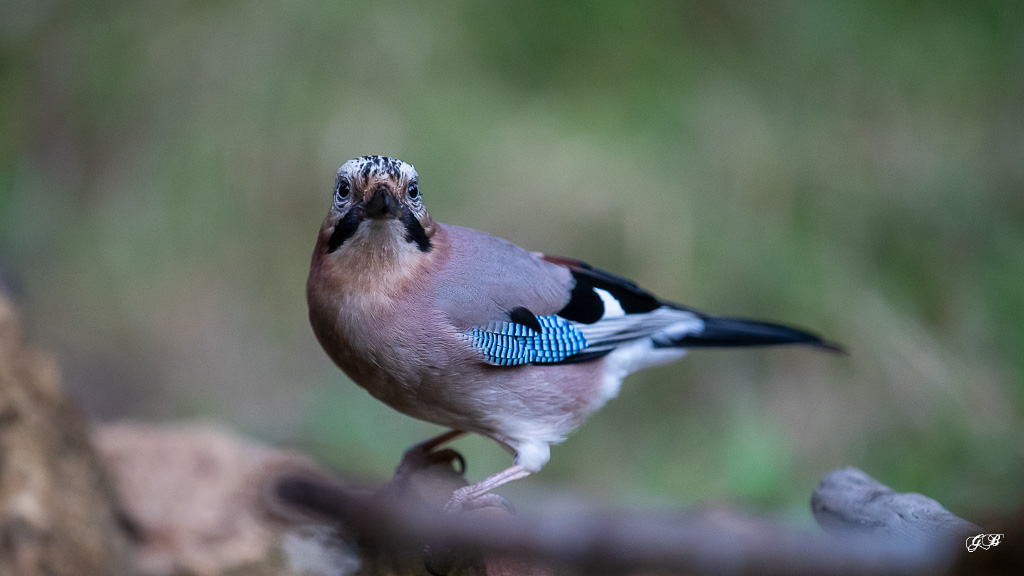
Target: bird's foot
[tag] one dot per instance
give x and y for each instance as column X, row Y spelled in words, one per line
column 419, row 458
column 464, row 500
column 479, row 495
column 426, row 454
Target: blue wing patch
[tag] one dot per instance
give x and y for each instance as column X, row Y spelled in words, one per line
column 510, row 343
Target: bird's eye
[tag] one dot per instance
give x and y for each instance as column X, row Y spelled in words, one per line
column 414, row 190
column 343, row 189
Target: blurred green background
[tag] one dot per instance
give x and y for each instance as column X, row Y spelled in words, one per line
column 855, row 168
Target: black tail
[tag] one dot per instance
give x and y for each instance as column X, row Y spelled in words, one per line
column 734, row 332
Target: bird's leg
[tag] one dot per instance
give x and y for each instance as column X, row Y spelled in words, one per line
column 425, row 454
column 476, row 495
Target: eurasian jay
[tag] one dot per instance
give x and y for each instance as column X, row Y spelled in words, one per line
column 471, row 332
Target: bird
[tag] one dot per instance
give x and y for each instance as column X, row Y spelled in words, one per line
column 471, row 332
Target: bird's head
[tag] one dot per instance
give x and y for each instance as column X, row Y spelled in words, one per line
column 377, row 210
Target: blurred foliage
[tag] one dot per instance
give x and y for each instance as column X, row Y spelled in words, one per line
column 857, row 168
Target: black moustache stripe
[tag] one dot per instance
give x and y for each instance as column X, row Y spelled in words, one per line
column 344, row 229
column 414, row 231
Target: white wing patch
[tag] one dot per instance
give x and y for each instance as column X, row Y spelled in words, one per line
column 612, row 308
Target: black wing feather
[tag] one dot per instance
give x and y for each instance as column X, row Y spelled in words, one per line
column 721, row 332
column 524, row 317
column 586, row 307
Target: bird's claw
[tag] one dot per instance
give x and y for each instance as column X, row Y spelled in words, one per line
column 419, row 457
column 464, row 501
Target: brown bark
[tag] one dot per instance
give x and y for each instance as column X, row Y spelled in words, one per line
column 193, row 492
column 58, row 515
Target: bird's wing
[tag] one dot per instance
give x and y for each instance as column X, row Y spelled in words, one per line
column 483, row 278
column 610, row 311
column 627, row 313
column 519, row 307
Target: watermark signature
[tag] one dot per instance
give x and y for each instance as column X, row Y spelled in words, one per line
column 983, row 541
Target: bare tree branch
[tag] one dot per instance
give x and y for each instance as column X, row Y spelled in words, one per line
column 618, row 540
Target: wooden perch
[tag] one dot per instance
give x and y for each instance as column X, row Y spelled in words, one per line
column 403, row 523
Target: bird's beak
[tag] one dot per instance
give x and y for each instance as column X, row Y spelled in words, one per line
column 381, row 205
